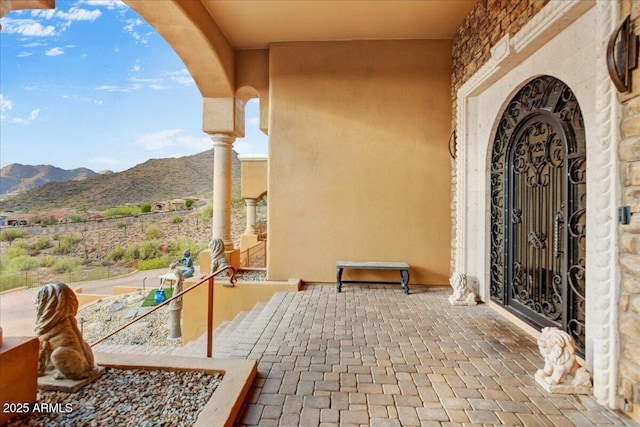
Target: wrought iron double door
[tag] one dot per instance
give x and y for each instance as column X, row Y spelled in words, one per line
column 538, row 200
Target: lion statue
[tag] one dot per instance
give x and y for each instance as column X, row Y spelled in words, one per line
column 560, row 364
column 462, row 295
column 218, row 259
column 62, row 347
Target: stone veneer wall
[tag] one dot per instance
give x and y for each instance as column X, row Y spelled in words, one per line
column 488, row 22
column 629, row 152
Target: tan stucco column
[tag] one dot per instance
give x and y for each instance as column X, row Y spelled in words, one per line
column 251, row 216
column 222, row 145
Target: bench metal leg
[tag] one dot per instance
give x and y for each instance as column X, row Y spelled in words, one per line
column 339, row 280
column 405, row 280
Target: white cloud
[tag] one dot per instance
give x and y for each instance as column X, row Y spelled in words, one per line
column 43, row 13
column 34, row 114
column 199, row 143
column 157, row 140
column 131, row 29
column 171, row 138
column 26, row 27
column 78, row 14
column 113, row 88
column 181, row 77
column 253, row 121
column 55, row 51
column 5, row 104
column 136, row 68
column 109, row 4
column 24, row 54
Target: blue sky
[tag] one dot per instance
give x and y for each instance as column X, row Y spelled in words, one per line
column 91, row 84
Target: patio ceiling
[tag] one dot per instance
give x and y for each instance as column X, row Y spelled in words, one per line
column 206, row 33
column 254, row 24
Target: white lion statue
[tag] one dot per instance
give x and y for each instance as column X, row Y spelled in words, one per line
column 462, row 295
column 62, row 347
column 560, row 364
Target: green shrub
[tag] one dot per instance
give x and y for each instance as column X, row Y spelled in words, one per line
column 153, row 232
column 176, row 219
column 74, row 218
column 206, row 213
column 145, row 208
column 64, row 265
column 11, row 234
column 121, row 211
column 153, row 264
column 15, row 252
column 42, row 243
column 179, row 246
column 133, row 252
column 116, row 254
column 24, row 263
column 188, row 203
column 22, row 244
column 150, row 250
column 47, row 261
column 67, row 244
column 120, row 224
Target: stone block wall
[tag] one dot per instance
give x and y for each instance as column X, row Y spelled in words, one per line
column 629, row 155
column 488, row 22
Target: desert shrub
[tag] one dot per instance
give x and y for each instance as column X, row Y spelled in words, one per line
column 116, row 254
column 152, row 232
column 176, row 219
column 145, row 207
column 11, row 234
column 15, row 252
column 42, row 243
column 121, row 211
column 63, row 265
column 178, row 247
column 153, row 264
column 133, row 252
column 24, row 263
column 188, row 203
column 150, row 250
column 206, row 213
column 67, row 244
column 22, row 244
column 47, row 261
column 74, row 218
column 120, row 224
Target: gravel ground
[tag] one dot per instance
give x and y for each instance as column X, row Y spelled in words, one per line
column 143, row 398
column 104, row 316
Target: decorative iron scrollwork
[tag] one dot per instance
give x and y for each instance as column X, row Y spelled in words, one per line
column 538, row 193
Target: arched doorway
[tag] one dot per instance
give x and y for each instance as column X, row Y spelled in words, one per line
column 537, row 208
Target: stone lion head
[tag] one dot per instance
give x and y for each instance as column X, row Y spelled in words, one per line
column 55, row 302
column 556, row 346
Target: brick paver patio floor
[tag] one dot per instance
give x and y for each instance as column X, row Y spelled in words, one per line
column 372, row 356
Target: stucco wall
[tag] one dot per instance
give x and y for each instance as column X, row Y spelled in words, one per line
column 358, row 161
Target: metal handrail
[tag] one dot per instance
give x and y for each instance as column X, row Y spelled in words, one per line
column 208, row 278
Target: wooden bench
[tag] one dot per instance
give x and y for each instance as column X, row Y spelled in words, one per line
column 373, row 265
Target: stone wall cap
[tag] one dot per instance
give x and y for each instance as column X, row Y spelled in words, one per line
column 252, row 157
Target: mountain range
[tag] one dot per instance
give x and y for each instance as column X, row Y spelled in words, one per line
column 17, row 178
column 153, row 180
